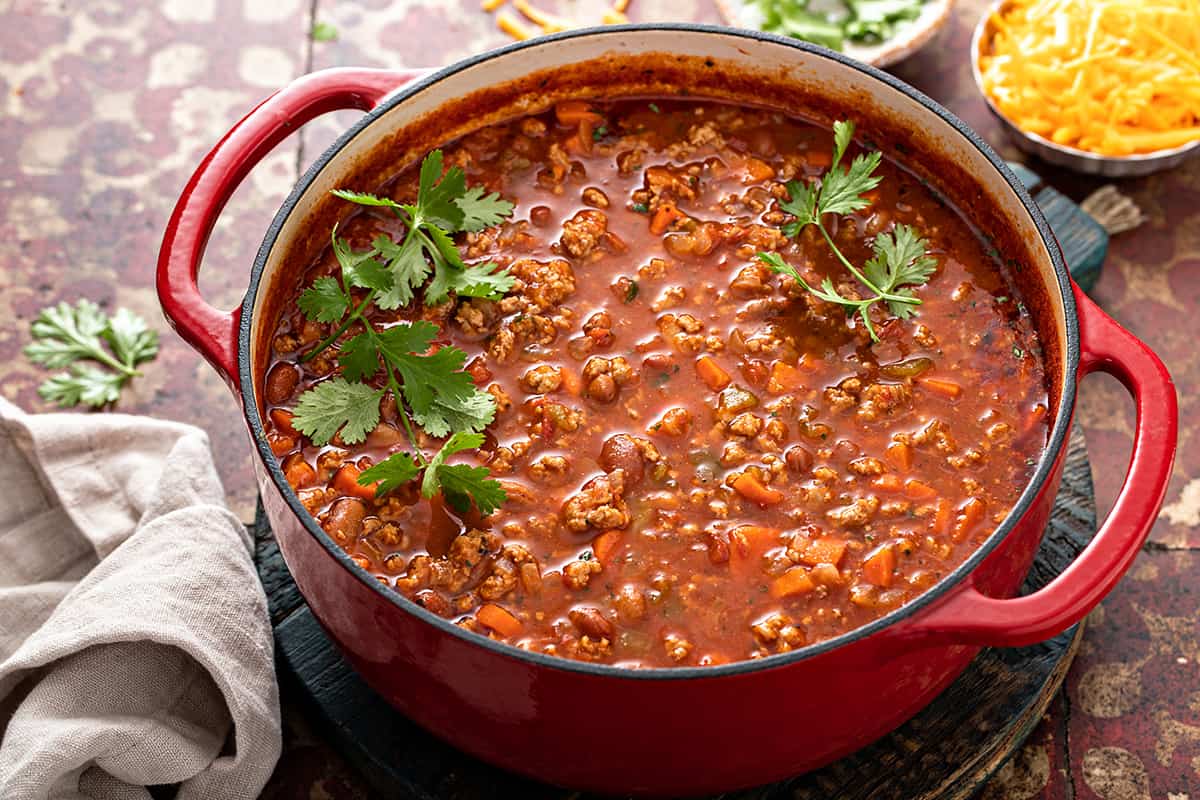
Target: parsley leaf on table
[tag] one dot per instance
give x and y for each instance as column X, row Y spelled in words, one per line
column 900, row 258
column 84, row 383
column 65, row 335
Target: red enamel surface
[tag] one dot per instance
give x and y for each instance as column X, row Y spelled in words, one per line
column 211, row 331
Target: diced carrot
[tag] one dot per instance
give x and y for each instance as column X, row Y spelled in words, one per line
column 298, row 471
column 888, row 483
column 970, row 515
column 819, row 159
column 880, row 565
column 712, row 373
column 752, row 489
column 943, row 517
column 947, row 389
column 758, row 171
column 826, row 550
column 571, row 382
column 281, row 418
column 663, row 217
column 1036, row 415
column 281, row 443
column 899, row 455
column 572, row 112
column 498, row 619
column 574, row 144
column 784, row 378
column 919, row 490
column 345, row 480
column 793, row 582
column 587, row 130
column 750, row 541
column 604, row 545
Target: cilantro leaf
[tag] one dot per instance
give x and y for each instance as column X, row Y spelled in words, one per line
column 368, row 274
column 827, row 292
column 360, row 269
column 131, row 339
column 455, row 444
column 436, row 200
column 461, row 484
column 441, row 396
column 841, row 191
column 408, row 268
column 407, row 337
column 324, row 301
column 482, row 280
column 391, row 473
column 337, row 404
column 843, row 134
column 447, row 412
column 482, row 211
column 899, row 261
column 366, row 199
column 64, row 335
column 85, row 383
column 802, row 205
column 900, row 258
column 359, row 357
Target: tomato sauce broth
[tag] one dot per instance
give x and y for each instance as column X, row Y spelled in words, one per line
column 704, row 462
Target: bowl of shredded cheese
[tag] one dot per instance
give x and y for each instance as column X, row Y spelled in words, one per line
column 1105, row 87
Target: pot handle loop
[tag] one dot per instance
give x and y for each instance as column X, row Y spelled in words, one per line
column 209, row 330
column 970, row 617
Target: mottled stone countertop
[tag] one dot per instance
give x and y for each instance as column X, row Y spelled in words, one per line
column 107, row 107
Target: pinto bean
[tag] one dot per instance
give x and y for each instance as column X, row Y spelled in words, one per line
column 345, row 518
column 622, row 452
column 281, row 382
column 591, row 622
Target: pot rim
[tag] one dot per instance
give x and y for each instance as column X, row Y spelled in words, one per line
column 1054, row 446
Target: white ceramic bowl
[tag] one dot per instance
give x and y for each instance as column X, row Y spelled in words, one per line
column 910, row 36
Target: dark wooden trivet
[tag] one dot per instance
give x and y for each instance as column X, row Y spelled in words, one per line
column 947, row 752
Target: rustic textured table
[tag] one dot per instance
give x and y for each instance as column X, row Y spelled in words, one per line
column 108, row 106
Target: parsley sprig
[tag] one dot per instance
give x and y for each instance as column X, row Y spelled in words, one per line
column 432, row 391
column 71, row 336
column 900, row 257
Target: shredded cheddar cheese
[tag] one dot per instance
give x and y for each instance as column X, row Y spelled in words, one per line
column 546, row 22
column 1113, row 77
column 510, row 25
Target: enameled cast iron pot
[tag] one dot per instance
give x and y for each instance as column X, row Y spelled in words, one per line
column 686, row 730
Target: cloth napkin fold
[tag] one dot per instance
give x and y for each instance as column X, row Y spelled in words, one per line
column 135, row 648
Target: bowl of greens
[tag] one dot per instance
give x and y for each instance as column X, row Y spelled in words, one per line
column 876, row 32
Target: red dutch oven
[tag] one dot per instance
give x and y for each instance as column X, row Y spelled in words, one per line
column 681, row 730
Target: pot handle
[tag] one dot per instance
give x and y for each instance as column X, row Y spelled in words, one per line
column 970, row 617
column 209, row 330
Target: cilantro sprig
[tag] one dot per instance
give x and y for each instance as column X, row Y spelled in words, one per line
column 445, row 205
column 69, row 337
column 432, row 391
column 900, row 259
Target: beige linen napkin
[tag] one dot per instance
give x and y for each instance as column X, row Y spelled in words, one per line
column 135, row 648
